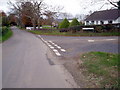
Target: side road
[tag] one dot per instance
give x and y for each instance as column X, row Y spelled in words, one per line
column 25, row 64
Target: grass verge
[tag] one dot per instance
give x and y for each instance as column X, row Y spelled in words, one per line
column 101, row 69
column 6, row 36
column 56, row 32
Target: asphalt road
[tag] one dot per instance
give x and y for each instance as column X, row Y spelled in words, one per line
column 76, row 45
column 25, row 65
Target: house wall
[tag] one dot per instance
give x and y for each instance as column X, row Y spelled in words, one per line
column 90, row 23
column 105, row 22
column 117, row 20
column 70, row 21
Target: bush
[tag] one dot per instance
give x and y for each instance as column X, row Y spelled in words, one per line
column 109, row 27
column 4, row 30
column 74, row 23
column 99, row 28
column 64, row 24
column 74, row 29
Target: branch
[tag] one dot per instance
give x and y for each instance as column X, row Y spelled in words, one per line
column 112, row 3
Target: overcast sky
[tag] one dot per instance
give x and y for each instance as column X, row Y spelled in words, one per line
column 71, row 6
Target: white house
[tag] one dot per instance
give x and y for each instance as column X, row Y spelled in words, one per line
column 103, row 17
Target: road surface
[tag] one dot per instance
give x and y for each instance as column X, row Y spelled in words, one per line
column 25, row 64
column 76, row 45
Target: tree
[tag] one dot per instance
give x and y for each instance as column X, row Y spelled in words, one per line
column 40, row 8
column 74, row 23
column 64, row 24
column 65, row 15
column 52, row 13
column 4, row 18
column 115, row 5
column 12, row 19
column 26, row 21
column 50, row 16
column 2, row 14
column 32, row 9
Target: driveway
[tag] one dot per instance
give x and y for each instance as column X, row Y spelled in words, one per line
column 25, row 64
column 76, row 45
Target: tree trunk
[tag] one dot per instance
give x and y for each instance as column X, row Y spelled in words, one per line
column 20, row 22
column 34, row 25
column 38, row 23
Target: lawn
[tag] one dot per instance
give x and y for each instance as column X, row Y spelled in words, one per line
column 56, row 32
column 101, row 68
column 48, row 27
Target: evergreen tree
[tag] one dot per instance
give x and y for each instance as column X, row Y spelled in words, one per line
column 74, row 22
column 64, row 24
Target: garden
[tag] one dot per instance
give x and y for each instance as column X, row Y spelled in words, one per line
column 75, row 28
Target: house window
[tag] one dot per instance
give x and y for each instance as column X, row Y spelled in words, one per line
column 92, row 22
column 96, row 22
column 102, row 22
column 87, row 22
column 110, row 22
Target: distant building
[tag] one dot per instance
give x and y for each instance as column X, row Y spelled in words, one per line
column 57, row 21
column 60, row 20
column 103, row 17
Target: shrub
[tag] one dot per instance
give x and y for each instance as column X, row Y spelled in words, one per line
column 74, row 29
column 109, row 27
column 74, row 23
column 99, row 28
column 64, row 24
column 4, row 30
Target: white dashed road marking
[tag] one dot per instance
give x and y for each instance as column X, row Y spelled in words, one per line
column 91, row 40
column 51, row 47
column 111, row 39
column 63, row 50
column 56, row 52
column 55, row 45
column 101, row 40
column 58, row 47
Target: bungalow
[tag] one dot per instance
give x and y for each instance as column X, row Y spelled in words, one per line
column 103, row 17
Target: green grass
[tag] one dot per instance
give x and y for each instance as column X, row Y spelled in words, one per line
column 103, row 65
column 47, row 32
column 48, row 27
column 6, row 36
column 56, row 32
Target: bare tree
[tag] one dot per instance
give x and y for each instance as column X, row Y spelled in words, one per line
column 40, row 8
column 115, row 4
column 50, row 16
column 34, row 9
column 66, row 15
column 30, row 8
column 52, row 13
column 17, row 10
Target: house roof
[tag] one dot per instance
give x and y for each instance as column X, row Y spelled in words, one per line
column 112, row 14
